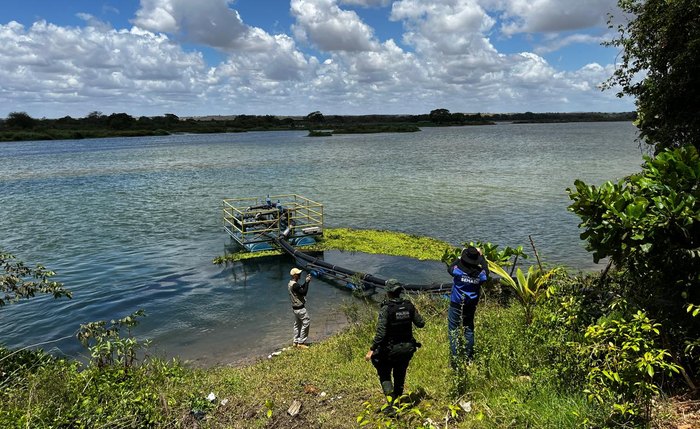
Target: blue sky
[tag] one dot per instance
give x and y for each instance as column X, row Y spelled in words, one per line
column 292, row 57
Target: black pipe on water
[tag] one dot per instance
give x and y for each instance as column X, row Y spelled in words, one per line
column 368, row 279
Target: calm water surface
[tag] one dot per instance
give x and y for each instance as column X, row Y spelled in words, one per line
column 135, row 223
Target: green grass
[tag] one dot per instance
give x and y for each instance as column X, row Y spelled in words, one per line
column 511, row 384
column 500, row 385
column 331, row 380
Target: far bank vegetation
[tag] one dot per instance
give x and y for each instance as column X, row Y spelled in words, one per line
column 21, row 126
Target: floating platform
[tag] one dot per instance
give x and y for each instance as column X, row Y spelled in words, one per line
column 255, row 223
column 285, row 222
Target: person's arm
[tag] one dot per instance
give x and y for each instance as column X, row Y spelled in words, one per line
column 381, row 332
column 485, row 265
column 418, row 319
column 302, row 289
column 453, row 270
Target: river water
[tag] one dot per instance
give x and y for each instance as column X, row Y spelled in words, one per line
column 129, row 223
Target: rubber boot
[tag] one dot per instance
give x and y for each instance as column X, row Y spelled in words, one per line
column 388, row 389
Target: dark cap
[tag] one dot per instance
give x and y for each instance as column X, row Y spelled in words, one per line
column 393, row 286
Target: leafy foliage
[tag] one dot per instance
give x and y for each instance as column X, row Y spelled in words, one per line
column 20, row 120
column 649, row 226
column 106, row 344
column 18, row 281
column 529, row 288
column 402, row 412
column 624, row 360
column 661, row 43
column 654, row 213
column 503, row 257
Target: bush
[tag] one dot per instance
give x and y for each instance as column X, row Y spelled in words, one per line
column 625, row 364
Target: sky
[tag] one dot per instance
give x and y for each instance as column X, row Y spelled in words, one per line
column 294, row 57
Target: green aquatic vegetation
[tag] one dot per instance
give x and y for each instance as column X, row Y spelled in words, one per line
column 361, row 240
column 242, row 256
column 381, row 242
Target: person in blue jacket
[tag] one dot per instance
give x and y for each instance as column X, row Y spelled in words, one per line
column 468, row 273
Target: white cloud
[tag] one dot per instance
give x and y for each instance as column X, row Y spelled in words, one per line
column 210, row 22
column 543, row 16
column 323, row 24
column 557, row 43
column 446, row 59
column 76, row 64
column 450, row 38
column 213, row 23
column 367, row 3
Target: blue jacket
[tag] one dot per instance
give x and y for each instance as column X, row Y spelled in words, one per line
column 466, row 285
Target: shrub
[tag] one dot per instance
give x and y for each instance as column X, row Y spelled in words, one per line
column 625, row 363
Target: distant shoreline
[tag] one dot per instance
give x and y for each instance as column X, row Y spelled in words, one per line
column 19, row 126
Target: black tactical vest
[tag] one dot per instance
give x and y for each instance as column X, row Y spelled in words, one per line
column 400, row 322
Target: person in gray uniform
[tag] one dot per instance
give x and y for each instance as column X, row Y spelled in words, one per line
column 297, row 294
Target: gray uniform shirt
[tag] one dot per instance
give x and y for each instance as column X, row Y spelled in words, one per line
column 297, row 293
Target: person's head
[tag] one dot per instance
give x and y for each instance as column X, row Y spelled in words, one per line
column 393, row 288
column 295, row 273
column 470, row 256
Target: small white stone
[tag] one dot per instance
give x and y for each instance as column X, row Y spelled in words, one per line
column 211, row 397
column 466, row 406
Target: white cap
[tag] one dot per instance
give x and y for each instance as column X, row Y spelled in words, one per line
column 295, row 271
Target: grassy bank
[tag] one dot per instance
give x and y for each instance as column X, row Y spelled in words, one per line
column 529, row 372
column 335, row 385
column 505, row 387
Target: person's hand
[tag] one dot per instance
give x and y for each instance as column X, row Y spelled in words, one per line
column 308, row 278
column 368, row 356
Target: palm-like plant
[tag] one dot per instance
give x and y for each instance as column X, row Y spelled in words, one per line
column 530, row 288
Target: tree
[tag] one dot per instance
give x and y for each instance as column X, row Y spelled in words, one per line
column 440, row 116
column 17, row 281
column 661, row 44
column 649, row 223
column 171, row 119
column 120, row 121
column 315, row 117
column 20, row 120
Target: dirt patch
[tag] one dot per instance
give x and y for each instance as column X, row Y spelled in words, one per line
column 684, row 414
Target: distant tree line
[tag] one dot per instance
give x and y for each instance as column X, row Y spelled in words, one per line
column 21, row 126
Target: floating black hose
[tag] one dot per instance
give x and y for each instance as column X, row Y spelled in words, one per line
column 367, row 279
